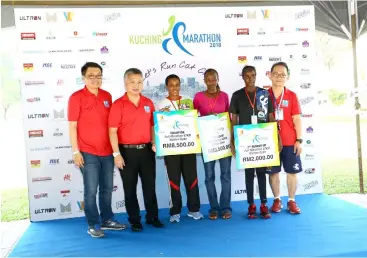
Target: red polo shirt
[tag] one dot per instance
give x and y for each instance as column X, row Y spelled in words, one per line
column 91, row 113
column 134, row 123
column 291, row 107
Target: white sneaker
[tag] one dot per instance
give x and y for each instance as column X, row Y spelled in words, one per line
column 195, row 215
column 175, row 218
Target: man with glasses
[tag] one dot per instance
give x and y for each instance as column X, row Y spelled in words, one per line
column 88, row 111
column 132, row 138
column 287, row 115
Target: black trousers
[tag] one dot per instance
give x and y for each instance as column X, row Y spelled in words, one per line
column 139, row 162
column 184, row 165
column 261, row 179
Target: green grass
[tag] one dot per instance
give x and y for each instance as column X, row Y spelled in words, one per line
column 14, row 205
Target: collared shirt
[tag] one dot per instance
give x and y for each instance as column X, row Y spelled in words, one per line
column 290, row 106
column 91, row 114
column 134, row 123
column 182, row 104
column 241, row 106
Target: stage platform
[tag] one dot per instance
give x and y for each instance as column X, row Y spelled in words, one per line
column 327, row 227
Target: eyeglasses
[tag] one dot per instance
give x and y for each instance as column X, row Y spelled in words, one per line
column 91, row 77
column 279, row 75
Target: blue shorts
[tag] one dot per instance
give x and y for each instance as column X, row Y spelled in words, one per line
column 291, row 162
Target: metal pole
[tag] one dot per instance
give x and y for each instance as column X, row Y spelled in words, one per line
column 357, row 104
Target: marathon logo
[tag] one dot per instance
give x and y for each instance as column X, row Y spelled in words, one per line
column 42, row 195
column 28, row 36
column 35, row 99
column 39, row 179
column 28, row 67
column 244, row 31
column 242, row 59
column 35, row 133
column 35, row 163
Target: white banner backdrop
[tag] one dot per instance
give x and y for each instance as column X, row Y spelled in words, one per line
column 55, row 42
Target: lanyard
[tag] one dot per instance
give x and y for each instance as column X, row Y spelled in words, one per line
column 252, row 104
column 275, row 100
column 179, row 104
column 212, row 105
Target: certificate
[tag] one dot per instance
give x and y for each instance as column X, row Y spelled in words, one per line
column 176, row 132
column 256, row 145
column 215, row 136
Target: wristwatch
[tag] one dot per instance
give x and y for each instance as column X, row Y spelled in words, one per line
column 299, row 140
column 115, row 154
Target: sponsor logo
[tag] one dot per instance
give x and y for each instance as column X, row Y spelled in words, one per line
column 58, row 133
column 80, row 205
column 62, row 147
column 290, row 44
column 309, row 143
column 28, row 36
column 50, row 36
column 54, row 161
column 115, row 187
column 301, row 29
column 249, row 45
column 35, row 163
column 85, row 50
column 268, row 45
column 34, row 83
column 68, row 66
column 104, row 64
column 306, row 100
column 58, row 97
column 266, row 14
column 261, row 31
column 306, row 115
column 305, row 71
column 60, row 51
column 242, row 59
column 241, row 191
column 309, row 157
column 47, row 65
column 251, row 14
column 302, row 14
column 33, row 52
column 233, row 15
column 310, row 171
column 51, row 17
column 309, row 129
column 111, row 17
column 65, row 208
column 28, row 67
column 79, row 81
column 30, row 18
column 60, row 82
column 70, row 161
column 304, row 56
column 267, row 74
column 36, row 116
column 35, row 133
column 34, row 99
column 68, row 16
column 120, row 204
column 47, row 210
column 40, row 179
column 310, row 185
column 67, row 178
column 305, row 85
column 104, row 50
column 305, row 43
column 258, row 58
column 244, row 31
column 99, row 34
column 59, row 114
column 40, row 149
column 41, row 195
column 65, row 193
column 275, row 59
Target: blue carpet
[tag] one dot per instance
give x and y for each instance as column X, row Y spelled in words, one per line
column 327, row 227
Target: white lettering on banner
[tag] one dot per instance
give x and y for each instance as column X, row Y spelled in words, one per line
column 165, row 37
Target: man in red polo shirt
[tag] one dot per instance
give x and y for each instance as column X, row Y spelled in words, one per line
column 88, row 111
column 288, row 115
column 131, row 134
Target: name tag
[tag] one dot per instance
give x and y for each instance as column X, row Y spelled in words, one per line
column 279, row 114
column 254, row 119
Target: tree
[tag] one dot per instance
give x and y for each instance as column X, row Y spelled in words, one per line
column 337, row 98
column 10, row 87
